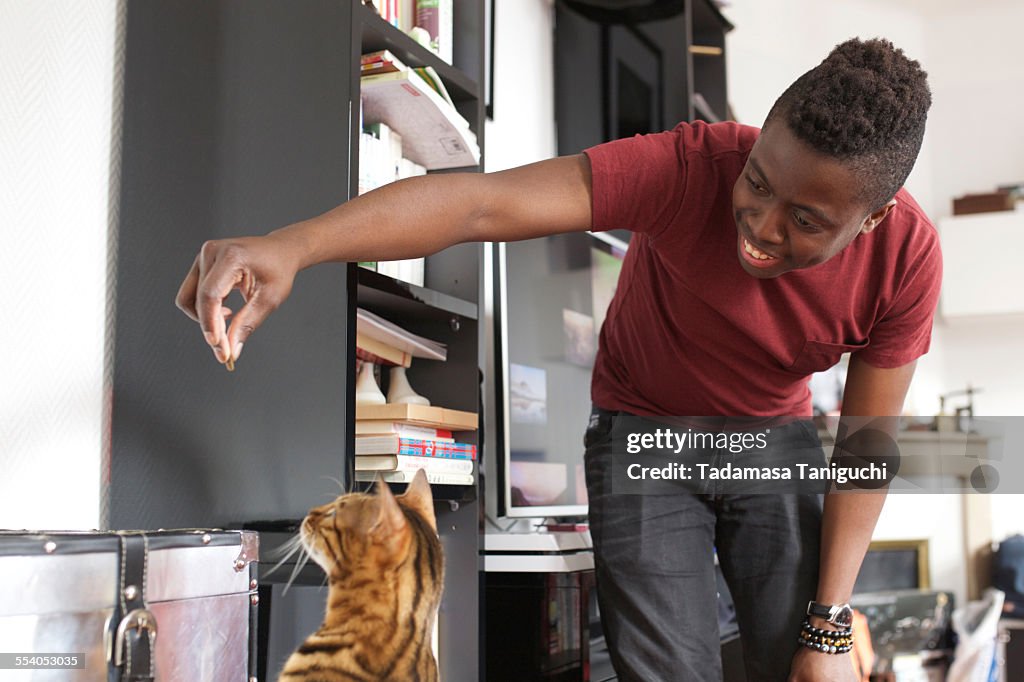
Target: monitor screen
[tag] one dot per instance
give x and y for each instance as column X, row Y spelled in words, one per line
column 556, row 293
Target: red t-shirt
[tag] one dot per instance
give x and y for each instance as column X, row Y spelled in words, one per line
column 690, row 333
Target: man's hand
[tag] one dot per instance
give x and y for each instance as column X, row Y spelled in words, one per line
column 814, row 666
column 261, row 268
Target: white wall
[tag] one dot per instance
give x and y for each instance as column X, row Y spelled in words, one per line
column 57, row 66
column 974, row 58
column 975, row 53
column 523, row 129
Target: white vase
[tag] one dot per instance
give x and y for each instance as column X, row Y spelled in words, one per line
column 367, row 390
column 399, row 390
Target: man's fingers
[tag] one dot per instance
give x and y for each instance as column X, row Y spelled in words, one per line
column 186, row 298
column 219, row 273
column 245, row 323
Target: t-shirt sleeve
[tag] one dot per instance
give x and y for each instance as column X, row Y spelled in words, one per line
column 904, row 332
column 637, row 183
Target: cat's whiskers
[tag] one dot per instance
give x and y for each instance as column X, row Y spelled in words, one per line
column 299, row 565
column 341, row 487
column 286, row 551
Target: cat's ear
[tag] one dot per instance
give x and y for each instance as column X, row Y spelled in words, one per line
column 419, row 498
column 390, row 526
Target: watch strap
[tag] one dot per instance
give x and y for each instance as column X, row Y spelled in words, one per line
column 837, row 614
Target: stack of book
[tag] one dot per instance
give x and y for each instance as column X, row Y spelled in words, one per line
column 394, row 441
column 380, row 158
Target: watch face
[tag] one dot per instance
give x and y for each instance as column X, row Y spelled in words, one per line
column 843, row 617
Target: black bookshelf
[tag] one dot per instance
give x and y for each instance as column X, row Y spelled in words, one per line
column 239, row 118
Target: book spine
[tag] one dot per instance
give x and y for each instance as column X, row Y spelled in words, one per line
column 428, row 18
column 407, row 476
column 381, row 61
column 427, row 448
column 435, row 17
column 446, row 30
column 428, row 464
column 444, row 478
column 370, row 68
column 377, row 56
column 407, row 431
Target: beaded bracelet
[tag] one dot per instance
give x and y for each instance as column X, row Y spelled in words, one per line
column 826, row 641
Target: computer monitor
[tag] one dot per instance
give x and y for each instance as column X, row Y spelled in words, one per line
column 551, row 296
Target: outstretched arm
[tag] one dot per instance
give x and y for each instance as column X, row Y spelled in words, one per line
column 406, row 219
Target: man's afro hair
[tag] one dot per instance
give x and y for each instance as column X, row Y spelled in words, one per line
column 866, row 105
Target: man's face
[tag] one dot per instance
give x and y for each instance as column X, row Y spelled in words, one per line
column 794, row 207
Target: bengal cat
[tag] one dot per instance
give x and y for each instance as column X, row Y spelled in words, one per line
column 385, row 572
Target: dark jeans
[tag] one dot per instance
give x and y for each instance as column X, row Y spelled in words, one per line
column 654, row 558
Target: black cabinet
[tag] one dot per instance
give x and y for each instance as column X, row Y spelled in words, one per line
column 638, row 70
column 541, row 626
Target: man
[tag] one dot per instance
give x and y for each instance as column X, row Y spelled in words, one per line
column 757, row 259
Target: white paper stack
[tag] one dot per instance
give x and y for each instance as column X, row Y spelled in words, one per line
column 434, row 135
column 378, row 328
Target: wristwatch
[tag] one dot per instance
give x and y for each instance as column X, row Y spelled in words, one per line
column 837, row 614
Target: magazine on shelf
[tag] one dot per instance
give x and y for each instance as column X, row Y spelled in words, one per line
column 434, row 134
column 376, row 327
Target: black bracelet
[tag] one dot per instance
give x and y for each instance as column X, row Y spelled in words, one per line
column 826, row 641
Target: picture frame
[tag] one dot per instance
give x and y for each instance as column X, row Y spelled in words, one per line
column 633, row 75
column 894, row 565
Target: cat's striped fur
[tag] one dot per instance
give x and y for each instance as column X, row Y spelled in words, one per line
column 385, row 572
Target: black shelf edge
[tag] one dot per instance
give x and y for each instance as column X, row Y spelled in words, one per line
column 378, row 34
column 479, row 168
column 707, row 11
column 370, row 281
